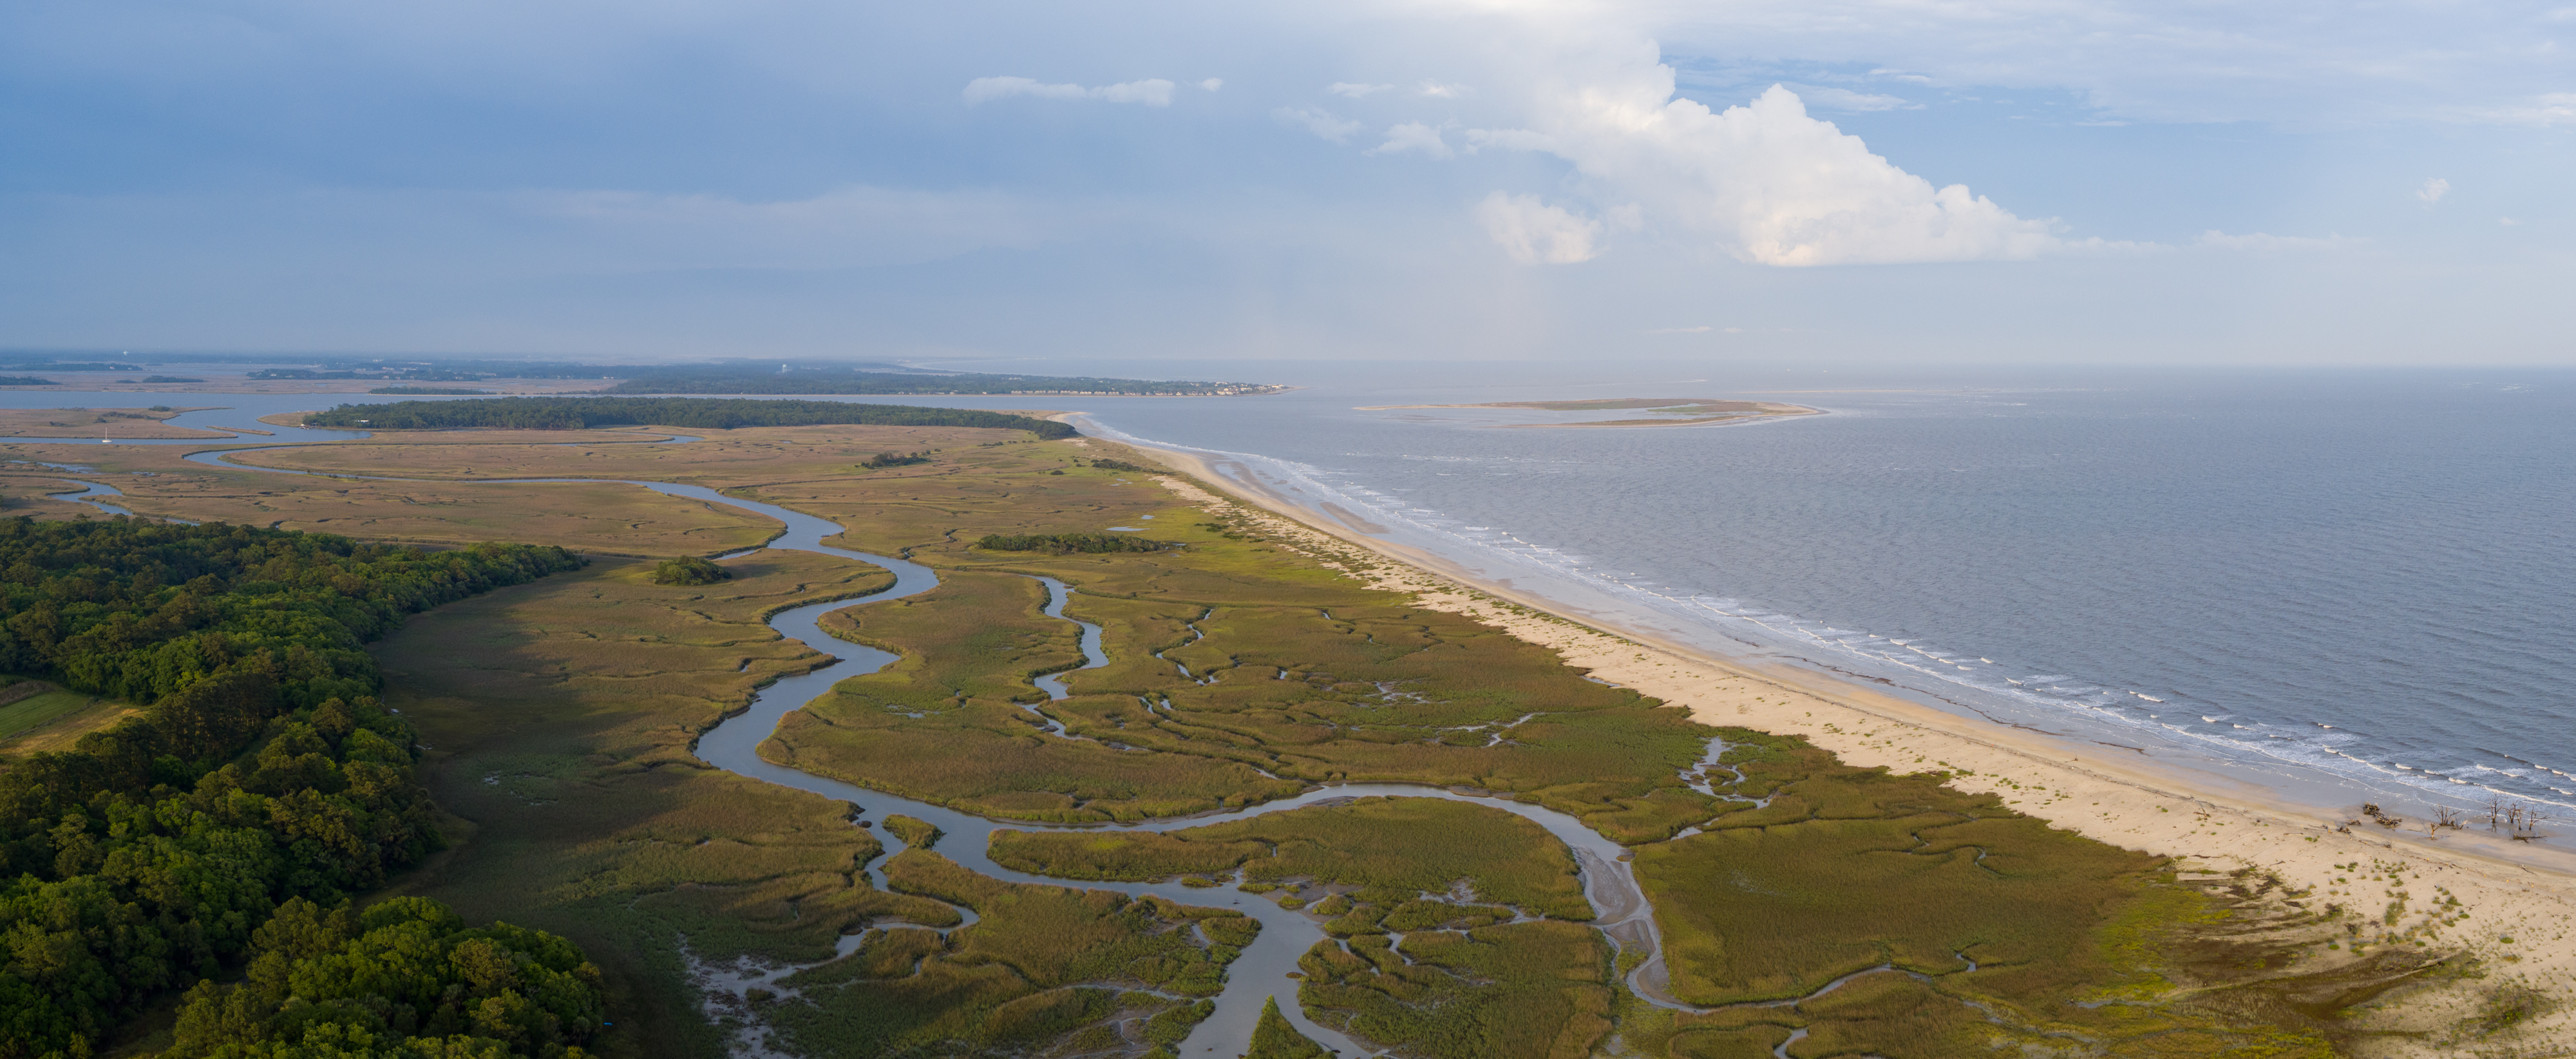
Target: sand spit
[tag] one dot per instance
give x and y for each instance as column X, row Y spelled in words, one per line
column 1698, row 410
column 2520, row 899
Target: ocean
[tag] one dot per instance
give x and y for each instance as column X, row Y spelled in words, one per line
column 2349, row 585
column 2346, row 585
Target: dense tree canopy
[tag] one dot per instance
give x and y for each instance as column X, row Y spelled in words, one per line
column 712, row 413
column 1068, row 543
column 405, row 979
column 260, row 770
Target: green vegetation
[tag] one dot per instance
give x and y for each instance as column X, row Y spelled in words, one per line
column 1239, row 673
column 944, row 722
column 1421, row 892
column 1397, row 848
column 576, row 413
column 1274, row 1038
column 883, row 460
column 1852, row 869
column 1068, row 543
column 144, row 856
column 1517, row 989
column 25, row 380
column 416, row 391
column 169, row 379
column 404, row 980
column 689, row 570
column 844, row 378
column 1041, row 963
column 1126, row 467
column 31, row 704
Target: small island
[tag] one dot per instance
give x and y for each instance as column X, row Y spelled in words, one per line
column 1685, row 411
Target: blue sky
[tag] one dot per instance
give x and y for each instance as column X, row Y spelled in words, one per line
column 2036, row 181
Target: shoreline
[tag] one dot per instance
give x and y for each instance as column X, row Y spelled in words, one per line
column 2156, row 805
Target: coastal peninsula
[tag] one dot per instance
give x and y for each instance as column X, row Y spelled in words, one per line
column 1678, row 411
column 1254, row 771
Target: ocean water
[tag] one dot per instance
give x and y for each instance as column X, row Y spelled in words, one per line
column 2355, row 584
column 2349, row 584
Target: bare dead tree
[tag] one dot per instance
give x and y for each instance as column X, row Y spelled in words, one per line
column 2445, row 816
column 2495, row 811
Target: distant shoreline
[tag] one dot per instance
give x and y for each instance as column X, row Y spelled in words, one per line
column 1698, row 411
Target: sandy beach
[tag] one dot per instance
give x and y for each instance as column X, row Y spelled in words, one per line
column 2519, row 898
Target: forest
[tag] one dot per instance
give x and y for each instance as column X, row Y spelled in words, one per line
column 840, row 378
column 576, row 413
column 261, row 770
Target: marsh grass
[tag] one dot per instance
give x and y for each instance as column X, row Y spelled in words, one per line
column 561, row 713
column 1042, row 963
column 1405, row 845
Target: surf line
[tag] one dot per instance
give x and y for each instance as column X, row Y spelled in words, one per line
column 1621, row 911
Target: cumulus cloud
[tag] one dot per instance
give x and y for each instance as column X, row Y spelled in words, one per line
column 1764, row 181
column 2433, row 190
column 1436, row 90
column 1152, row 92
column 1505, row 139
column 1355, row 90
column 1321, row 123
column 1213, row 83
column 1532, row 232
column 1413, row 136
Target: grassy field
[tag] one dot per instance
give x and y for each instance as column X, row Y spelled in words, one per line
column 560, row 716
column 53, row 719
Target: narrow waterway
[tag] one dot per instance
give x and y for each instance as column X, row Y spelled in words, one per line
column 1262, row 970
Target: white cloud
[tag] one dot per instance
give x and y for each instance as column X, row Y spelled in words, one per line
column 1505, row 139
column 1413, row 136
column 1213, row 83
column 1318, row 122
column 1701, row 329
column 2433, row 190
column 1354, row 90
column 1846, row 99
column 1534, row 233
column 1436, row 90
column 1152, row 92
column 1764, row 182
column 2509, row 222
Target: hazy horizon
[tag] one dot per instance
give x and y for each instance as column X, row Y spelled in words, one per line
column 1860, row 181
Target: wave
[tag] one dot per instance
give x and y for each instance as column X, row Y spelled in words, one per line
column 1909, row 662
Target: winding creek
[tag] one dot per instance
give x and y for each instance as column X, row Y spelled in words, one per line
column 1622, row 911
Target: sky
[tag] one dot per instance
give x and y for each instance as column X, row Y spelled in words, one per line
column 1778, row 181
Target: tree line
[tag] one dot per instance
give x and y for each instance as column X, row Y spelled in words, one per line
column 575, row 413
column 1068, row 543
column 261, row 771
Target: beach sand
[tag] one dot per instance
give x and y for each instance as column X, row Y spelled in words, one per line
column 2159, row 805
